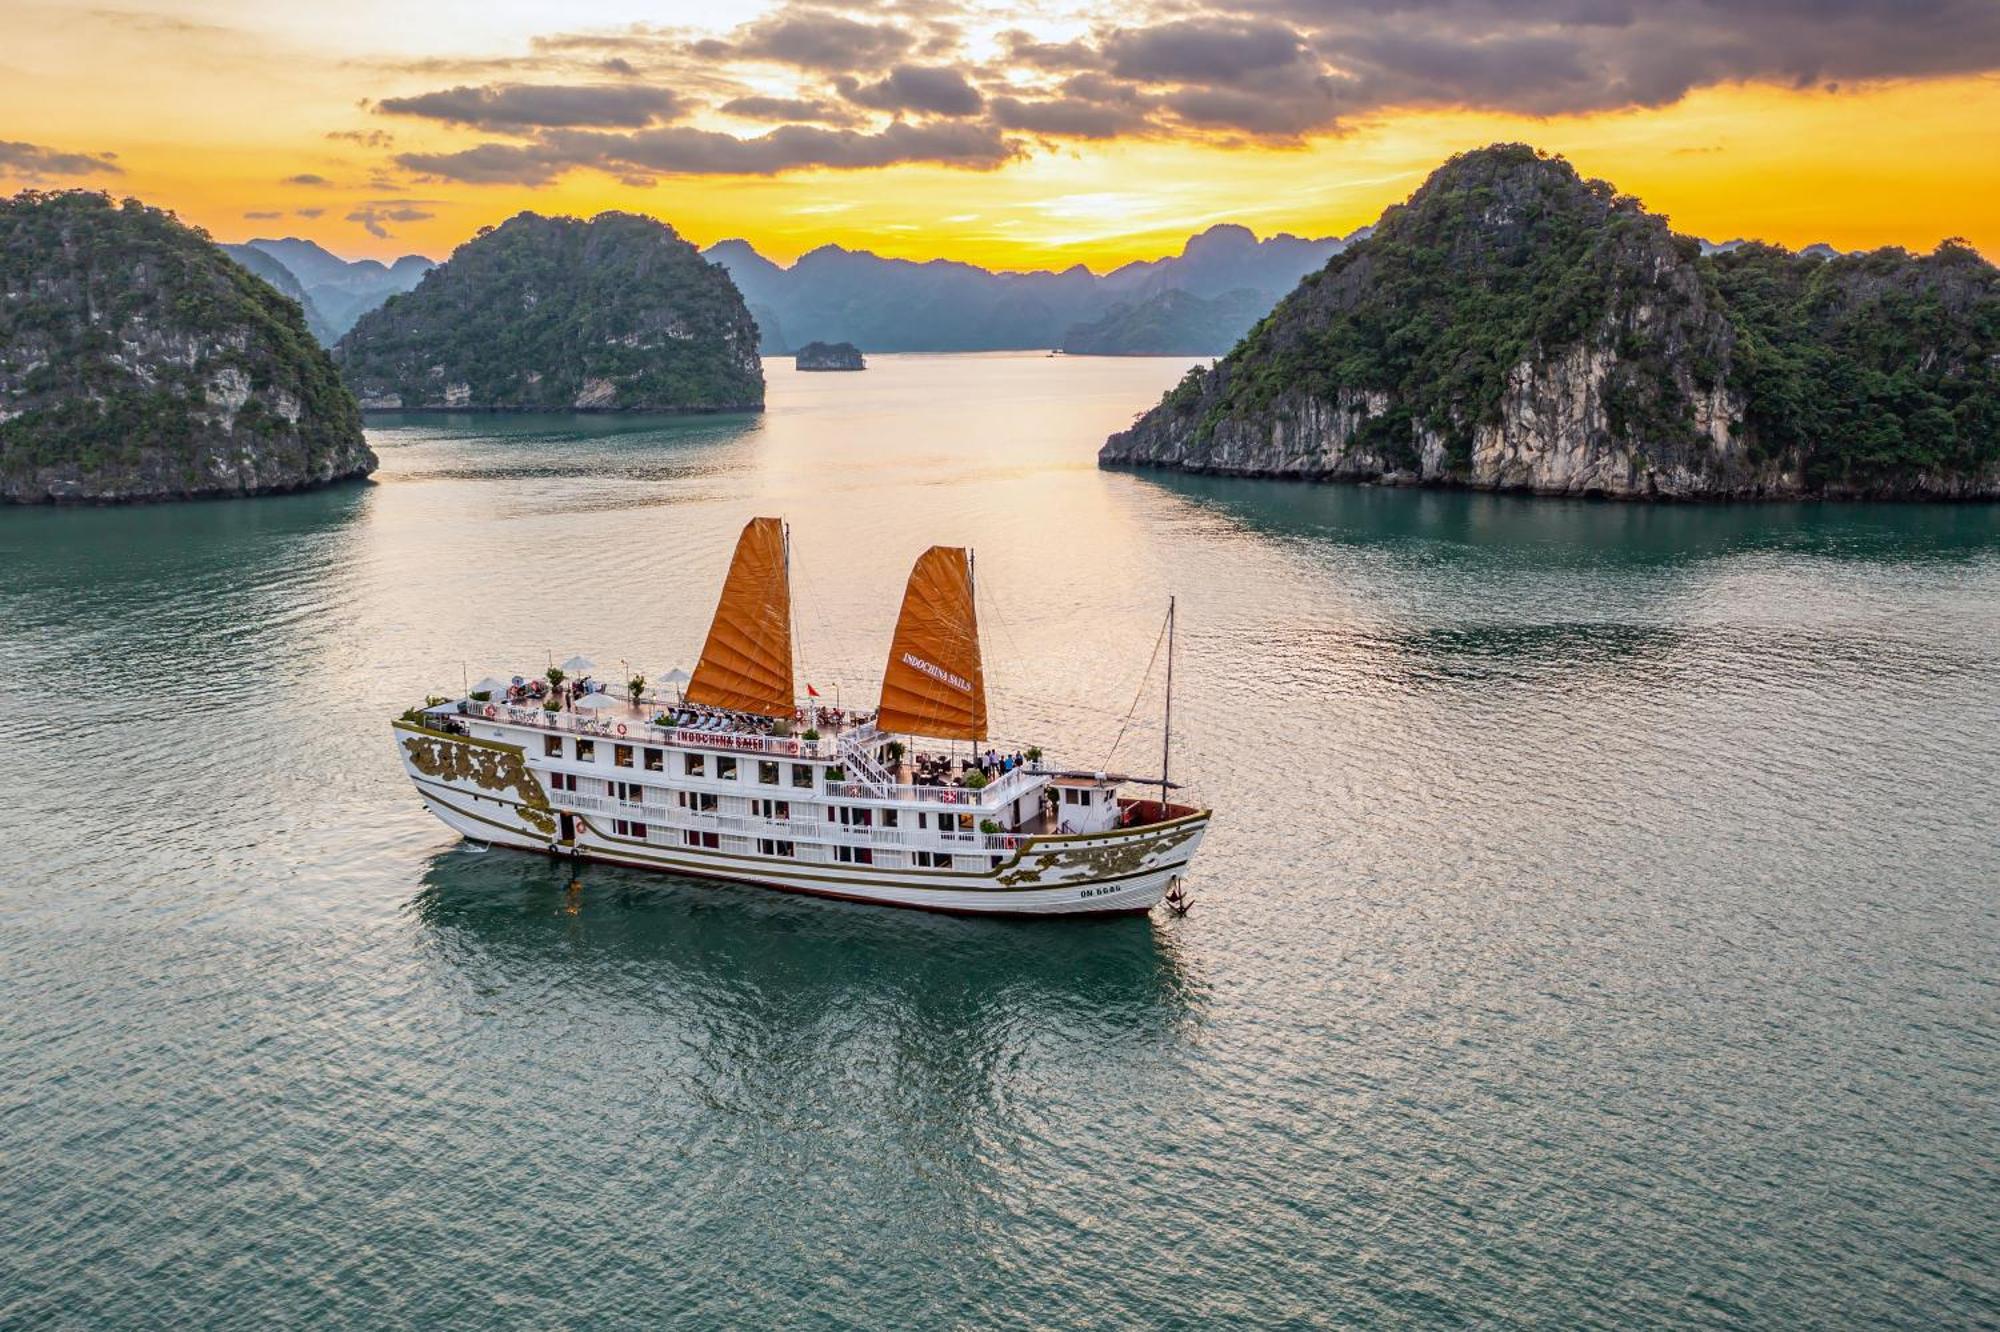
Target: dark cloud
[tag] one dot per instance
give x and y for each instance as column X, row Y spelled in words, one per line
column 365, row 138
column 1228, row 51
column 821, row 40
column 1228, row 110
column 489, row 164
column 309, row 212
column 508, row 107
column 932, row 90
column 1545, row 57
column 260, row 216
column 376, row 217
column 681, row 151
column 1216, row 70
column 306, row 178
column 1067, row 117
column 1024, row 49
column 31, row 161
column 787, row 109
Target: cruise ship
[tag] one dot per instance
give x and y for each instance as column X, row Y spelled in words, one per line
column 738, row 777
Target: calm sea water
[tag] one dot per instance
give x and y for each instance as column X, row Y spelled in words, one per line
column 1598, row 927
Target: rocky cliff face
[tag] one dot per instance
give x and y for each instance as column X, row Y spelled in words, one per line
column 1514, row 327
column 558, row 314
column 138, row 362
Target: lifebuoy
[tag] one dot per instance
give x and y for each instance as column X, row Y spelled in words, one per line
column 491, row 711
column 1008, row 844
column 621, row 728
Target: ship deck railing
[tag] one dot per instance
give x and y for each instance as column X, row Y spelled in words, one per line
column 797, row 829
column 639, row 730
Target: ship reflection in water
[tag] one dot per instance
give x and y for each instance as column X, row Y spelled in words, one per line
column 761, row 1003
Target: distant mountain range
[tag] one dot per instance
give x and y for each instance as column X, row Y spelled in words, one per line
column 1191, row 303
column 1199, row 302
column 333, row 291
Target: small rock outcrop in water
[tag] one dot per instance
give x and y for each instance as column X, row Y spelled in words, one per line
column 138, row 362
column 1516, row 327
column 830, row 356
column 558, row 314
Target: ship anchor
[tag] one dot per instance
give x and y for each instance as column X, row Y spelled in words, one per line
column 1176, row 898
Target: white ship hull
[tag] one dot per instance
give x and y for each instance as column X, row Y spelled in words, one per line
column 489, row 790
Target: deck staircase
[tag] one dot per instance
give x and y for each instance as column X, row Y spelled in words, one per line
column 862, row 768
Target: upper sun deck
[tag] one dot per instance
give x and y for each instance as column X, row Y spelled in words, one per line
column 848, row 743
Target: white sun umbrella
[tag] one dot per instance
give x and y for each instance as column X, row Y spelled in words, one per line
column 595, row 703
column 489, row 686
column 579, row 665
column 675, row 678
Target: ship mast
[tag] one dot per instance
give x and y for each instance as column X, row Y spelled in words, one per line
column 1167, row 739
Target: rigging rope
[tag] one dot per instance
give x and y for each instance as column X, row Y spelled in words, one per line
column 1125, row 725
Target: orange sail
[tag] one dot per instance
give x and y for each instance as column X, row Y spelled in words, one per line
column 934, row 684
column 746, row 665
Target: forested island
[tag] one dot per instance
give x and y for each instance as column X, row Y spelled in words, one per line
column 558, row 314
column 1514, row 326
column 829, row 356
column 139, row 362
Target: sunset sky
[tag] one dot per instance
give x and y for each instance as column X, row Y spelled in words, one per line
column 1011, row 134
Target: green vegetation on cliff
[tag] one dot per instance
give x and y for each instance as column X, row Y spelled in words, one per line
column 1516, row 325
column 137, row 361
column 540, row 313
column 1867, row 366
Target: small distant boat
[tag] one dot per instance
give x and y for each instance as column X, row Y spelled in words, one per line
column 740, row 778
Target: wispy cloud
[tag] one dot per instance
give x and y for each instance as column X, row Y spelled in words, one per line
column 34, row 162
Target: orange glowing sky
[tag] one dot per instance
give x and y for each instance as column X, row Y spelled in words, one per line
column 1035, row 134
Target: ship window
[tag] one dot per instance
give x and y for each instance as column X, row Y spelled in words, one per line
column 771, row 846
column 767, row 772
column 923, row 819
column 622, row 755
column 639, row 830
column 551, row 746
column 888, row 818
column 802, row 775
column 656, row 760
column 725, row 769
column 965, row 823
column 586, row 751
column 694, row 765
column 706, row 839
column 703, row 801
column 932, row 859
column 563, row 781
column 625, row 829
column 854, row 855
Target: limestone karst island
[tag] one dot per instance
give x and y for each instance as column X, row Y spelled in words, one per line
column 884, row 665
column 138, row 362
column 1517, row 327
column 829, row 356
